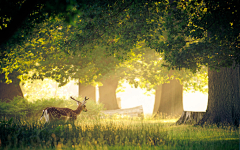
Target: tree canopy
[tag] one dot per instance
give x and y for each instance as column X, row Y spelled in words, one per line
column 117, row 25
column 201, row 32
column 183, row 30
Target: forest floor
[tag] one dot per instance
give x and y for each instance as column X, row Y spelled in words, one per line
column 117, row 134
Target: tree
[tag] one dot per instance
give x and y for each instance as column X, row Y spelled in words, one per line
column 207, row 33
column 17, row 25
column 19, row 60
column 146, row 71
column 89, row 67
column 169, row 95
column 113, row 24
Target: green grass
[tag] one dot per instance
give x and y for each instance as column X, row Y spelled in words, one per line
column 116, row 134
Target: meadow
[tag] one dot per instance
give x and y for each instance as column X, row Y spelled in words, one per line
column 103, row 134
column 115, row 133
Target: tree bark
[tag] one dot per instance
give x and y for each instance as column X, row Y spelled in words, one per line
column 223, row 97
column 9, row 91
column 87, row 90
column 107, row 94
column 171, row 98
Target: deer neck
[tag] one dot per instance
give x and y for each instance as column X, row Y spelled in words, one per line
column 79, row 109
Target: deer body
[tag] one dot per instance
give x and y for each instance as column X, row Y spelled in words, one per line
column 55, row 113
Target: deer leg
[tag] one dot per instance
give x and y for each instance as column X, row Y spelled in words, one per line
column 46, row 116
column 41, row 116
column 66, row 119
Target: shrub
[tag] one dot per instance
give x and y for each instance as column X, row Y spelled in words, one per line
column 18, row 107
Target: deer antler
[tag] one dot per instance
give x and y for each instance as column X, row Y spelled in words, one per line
column 74, row 99
column 84, row 102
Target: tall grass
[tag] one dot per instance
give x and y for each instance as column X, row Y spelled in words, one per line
column 91, row 132
column 115, row 134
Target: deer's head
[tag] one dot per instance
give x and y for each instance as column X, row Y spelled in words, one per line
column 81, row 104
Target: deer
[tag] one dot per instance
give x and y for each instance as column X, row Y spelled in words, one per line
column 54, row 113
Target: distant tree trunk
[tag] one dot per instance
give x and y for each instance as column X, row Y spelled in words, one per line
column 158, row 93
column 87, row 90
column 223, row 97
column 119, row 102
column 171, row 101
column 9, row 91
column 107, row 94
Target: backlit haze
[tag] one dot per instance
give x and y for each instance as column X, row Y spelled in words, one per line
column 132, row 97
column 135, row 96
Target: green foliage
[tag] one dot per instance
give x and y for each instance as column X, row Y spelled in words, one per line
column 201, row 33
column 114, row 134
column 115, row 25
column 92, row 48
column 186, row 31
column 18, row 26
column 18, row 107
column 146, row 69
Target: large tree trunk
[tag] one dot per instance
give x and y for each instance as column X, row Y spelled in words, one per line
column 9, row 91
column 87, row 90
column 223, row 97
column 171, row 98
column 107, row 94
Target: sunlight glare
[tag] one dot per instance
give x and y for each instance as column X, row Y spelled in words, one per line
column 133, row 97
column 195, row 101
